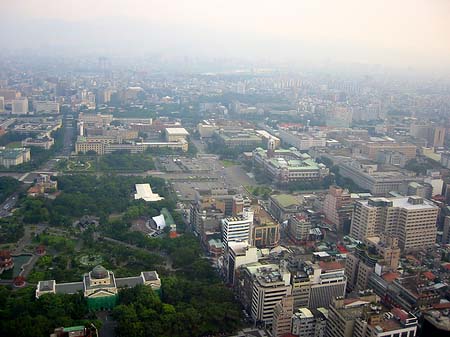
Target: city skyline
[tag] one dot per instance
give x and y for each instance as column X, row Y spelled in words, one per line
column 404, row 34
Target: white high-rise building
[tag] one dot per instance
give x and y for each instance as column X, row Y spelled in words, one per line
column 20, row 106
column 237, row 228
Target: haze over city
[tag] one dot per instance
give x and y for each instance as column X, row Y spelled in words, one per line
column 398, row 33
column 206, row 168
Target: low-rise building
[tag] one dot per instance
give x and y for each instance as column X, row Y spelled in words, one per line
column 287, row 166
column 14, row 156
column 99, row 286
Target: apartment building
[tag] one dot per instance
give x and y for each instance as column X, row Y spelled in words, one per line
column 411, row 219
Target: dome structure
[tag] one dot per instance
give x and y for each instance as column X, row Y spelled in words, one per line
column 99, row 272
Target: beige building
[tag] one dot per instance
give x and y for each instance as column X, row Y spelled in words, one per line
column 338, row 206
column 343, row 313
column 411, row 219
column 282, row 317
column 14, row 156
column 176, row 134
column 20, row 106
column 370, row 150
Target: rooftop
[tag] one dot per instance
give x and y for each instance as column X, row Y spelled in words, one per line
column 287, row 200
column 177, row 131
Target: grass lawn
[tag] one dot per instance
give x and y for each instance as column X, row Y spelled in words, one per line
column 14, row 144
column 228, row 163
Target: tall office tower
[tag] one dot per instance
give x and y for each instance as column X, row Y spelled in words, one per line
column 338, row 207
column 411, row 219
column 309, row 322
column 20, row 106
column 343, row 313
column 2, row 104
column 237, row 228
column 261, row 287
column 282, row 317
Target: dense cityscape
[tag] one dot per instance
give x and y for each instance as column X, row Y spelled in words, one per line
column 180, row 195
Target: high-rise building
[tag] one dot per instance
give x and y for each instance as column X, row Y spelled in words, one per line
column 411, row 219
column 20, row 106
column 237, row 228
column 236, row 255
column 338, row 206
column 261, row 287
column 282, row 317
column 2, row 104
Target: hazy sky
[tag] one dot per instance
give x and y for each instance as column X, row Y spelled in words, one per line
column 392, row 32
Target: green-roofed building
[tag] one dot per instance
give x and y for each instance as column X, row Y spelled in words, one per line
column 283, row 206
column 286, row 166
column 14, row 156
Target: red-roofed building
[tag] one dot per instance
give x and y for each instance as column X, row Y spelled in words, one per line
column 429, row 275
column 330, row 266
column 40, row 250
column 390, row 277
column 342, row 249
column 19, row 282
column 6, row 261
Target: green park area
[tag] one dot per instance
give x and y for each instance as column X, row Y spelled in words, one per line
column 193, row 300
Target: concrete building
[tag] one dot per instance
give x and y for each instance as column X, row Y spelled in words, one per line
column 237, row 228
column 261, row 288
column 283, row 206
column 380, row 254
column 343, row 313
column 338, row 207
column 2, row 104
column 327, row 282
column 46, row 107
column 266, row 230
column 238, row 138
column 370, row 149
column 99, row 286
column 377, row 181
column 176, row 134
column 42, row 142
column 282, row 317
column 376, row 323
column 14, row 156
column 19, row 106
column 299, row 226
column 411, row 219
column 309, row 322
column 433, row 134
column 303, row 140
column 287, row 166
column 236, row 255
